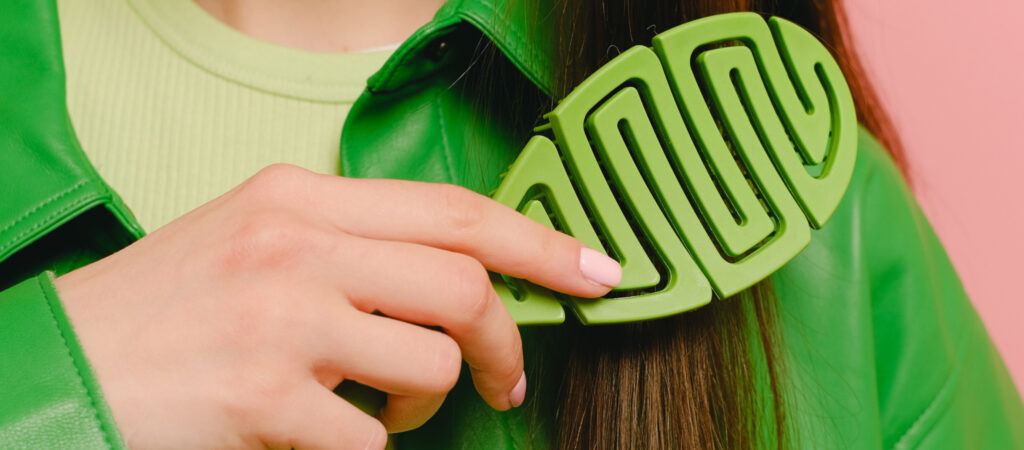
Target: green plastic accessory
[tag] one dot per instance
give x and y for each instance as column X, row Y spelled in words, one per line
column 699, row 164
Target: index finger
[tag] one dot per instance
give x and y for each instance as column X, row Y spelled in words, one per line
column 462, row 221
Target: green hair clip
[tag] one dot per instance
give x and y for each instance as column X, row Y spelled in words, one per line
column 698, row 164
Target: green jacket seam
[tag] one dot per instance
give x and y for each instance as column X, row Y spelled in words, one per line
column 43, row 204
column 928, row 419
column 75, row 363
column 46, row 221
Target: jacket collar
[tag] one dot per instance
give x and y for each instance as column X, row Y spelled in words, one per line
column 519, row 31
column 59, row 182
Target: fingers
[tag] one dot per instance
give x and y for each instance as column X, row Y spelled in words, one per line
column 390, row 355
column 416, row 366
column 404, row 413
column 439, row 288
column 319, row 419
column 459, row 220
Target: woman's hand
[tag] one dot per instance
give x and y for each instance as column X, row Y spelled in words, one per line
column 230, row 326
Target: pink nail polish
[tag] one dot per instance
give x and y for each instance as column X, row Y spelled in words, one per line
column 600, row 269
column 518, row 393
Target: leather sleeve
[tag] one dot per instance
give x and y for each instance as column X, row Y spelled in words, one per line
column 941, row 383
column 48, row 395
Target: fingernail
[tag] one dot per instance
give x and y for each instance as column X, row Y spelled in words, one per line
column 599, row 269
column 518, row 393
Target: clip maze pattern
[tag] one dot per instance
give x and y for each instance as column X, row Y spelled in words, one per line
column 699, row 164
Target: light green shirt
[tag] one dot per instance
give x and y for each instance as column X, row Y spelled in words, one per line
column 175, row 108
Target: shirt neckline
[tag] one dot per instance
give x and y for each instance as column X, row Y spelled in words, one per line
column 227, row 53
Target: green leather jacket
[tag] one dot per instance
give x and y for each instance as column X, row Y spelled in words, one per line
column 885, row 348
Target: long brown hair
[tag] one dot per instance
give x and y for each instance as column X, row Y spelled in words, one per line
column 713, row 377
column 709, row 378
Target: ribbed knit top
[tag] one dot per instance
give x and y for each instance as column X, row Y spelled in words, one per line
column 175, row 108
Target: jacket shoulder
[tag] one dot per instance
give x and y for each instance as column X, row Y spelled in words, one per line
column 887, row 349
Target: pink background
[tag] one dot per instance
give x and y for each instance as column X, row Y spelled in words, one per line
column 949, row 73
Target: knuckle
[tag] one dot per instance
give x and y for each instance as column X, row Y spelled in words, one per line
column 553, row 253
column 256, row 393
column 505, row 369
column 447, row 365
column 511, row 366
column 535, row 255
column 268, row 241
column 281, row 172
column 461, row 208
column 472, row 290
column 277, row 184
column 376, row 436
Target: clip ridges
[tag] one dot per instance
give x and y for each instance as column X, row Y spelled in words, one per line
column 699, row 164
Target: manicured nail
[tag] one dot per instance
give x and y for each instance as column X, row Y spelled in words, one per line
column 600, row 269
column 518, row 393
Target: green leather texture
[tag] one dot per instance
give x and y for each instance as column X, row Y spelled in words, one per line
column 48, row 398
column 885, row 348
column 47, row 179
